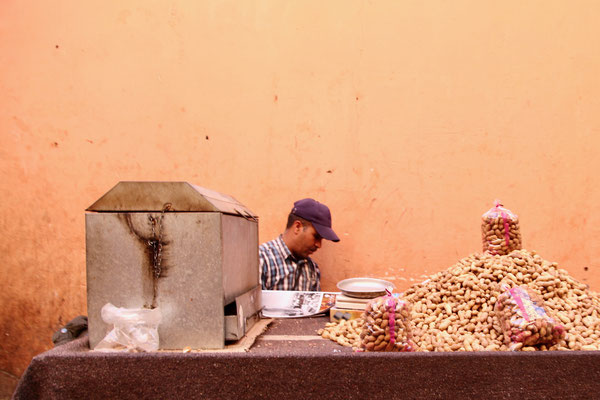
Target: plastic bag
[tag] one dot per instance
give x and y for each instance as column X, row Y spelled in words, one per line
column 135, row 329
column 524, row 320
column 386, row 326
column 500, row 232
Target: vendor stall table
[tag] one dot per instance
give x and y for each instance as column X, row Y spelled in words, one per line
column 290, row 361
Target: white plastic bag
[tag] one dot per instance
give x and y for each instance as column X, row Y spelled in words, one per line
column 135, row 329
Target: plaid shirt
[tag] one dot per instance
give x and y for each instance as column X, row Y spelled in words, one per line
column 280, row 270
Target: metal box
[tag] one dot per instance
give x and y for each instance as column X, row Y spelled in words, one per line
column 191, row 251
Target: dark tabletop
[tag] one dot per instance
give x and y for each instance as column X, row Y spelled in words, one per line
column 290, row 361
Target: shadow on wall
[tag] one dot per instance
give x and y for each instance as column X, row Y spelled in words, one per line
column 8, row 384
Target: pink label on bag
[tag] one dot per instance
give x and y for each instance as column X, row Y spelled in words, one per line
column 391, row 315
column 392, row 319
column 506, row 228
column 529, row 309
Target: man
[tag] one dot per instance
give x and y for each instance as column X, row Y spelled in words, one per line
column 284, row 262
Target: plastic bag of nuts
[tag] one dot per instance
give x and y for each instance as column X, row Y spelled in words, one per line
column 500, row 232
column 524, row 320
column 386, row 325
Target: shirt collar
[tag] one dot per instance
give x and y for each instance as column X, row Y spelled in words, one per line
column 288, row 253
column 286, row 250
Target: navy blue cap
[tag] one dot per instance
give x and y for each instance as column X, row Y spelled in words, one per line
column 318, row 214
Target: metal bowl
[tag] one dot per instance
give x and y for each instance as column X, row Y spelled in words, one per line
column 364, row 287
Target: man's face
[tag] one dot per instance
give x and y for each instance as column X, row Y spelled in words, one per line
column 308, row 241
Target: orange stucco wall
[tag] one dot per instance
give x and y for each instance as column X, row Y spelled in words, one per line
column 407, row 118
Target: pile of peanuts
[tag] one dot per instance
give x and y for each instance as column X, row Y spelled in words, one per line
column 346, row 333
column 494, row 234
column 377, row 332
column 454, row 309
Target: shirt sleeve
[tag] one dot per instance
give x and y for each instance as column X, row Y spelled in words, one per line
column 262, row 268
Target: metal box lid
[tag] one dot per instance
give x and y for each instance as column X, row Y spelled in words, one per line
column 138, row 196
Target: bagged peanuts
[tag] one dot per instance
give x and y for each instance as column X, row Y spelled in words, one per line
column 386, row 325
column 500, row 232
column 524, row 320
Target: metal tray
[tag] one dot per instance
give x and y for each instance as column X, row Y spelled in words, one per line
column 364, row 287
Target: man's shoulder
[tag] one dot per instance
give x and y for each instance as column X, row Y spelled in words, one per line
column 269, row 244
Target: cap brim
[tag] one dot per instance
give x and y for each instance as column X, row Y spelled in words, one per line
column 326, row 232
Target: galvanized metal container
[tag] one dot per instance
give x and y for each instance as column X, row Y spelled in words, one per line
column 189, row 250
